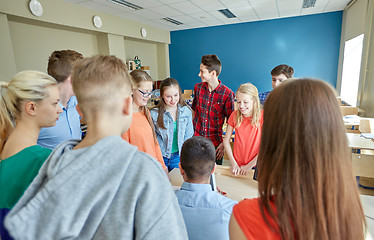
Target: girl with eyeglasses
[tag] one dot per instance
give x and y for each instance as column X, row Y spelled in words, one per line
column 141, row 132
column 172, row 118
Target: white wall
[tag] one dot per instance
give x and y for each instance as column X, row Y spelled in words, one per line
column 26, row 41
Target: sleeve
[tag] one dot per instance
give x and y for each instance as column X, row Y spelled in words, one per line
column 232, row 119
column 164, row 221
column 159, row 155
column 154, row 115
column 189, row 127
column 194, row 101
column 261, row 118
column 230, row 105
column 162, row 229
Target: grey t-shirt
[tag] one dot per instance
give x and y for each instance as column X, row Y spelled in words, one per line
column 106, row 191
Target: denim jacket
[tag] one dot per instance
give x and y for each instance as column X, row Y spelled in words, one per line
column 165, row 136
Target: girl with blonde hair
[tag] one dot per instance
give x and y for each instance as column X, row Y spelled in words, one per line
column 141, row 132
column 306, row 185
column 27, row 103
column 247, row 123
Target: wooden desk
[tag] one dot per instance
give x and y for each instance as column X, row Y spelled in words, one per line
column 355, row 141
column 362, row 155
column 237, row 188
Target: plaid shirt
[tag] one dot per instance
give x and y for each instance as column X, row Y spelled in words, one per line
column 263, row 96
column 211, row 109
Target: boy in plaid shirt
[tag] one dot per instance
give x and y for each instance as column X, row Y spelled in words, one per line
column 279, row 74
column 213, row 103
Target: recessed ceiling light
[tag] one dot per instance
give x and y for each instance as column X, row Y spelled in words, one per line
column 227, row 13
column 309, row 3
column 126, row 4
column 172, row 21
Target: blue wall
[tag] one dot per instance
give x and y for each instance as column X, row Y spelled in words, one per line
column 249, row 51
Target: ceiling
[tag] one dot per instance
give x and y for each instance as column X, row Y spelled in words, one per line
column 204, row 13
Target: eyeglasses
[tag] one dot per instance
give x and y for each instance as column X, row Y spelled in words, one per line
column 145, row 94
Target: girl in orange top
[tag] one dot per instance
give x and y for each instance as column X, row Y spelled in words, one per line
column 305, row 180
column 247, row 122
column 141, row 132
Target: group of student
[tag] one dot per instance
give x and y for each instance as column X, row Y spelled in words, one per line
column 102, row 187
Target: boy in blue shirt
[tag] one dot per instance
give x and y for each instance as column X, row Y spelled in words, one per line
column 60, row 65
column 206, row 213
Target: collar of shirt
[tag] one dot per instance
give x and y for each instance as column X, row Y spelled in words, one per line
column 218, row 89
column 196, row 187
column 70, row 104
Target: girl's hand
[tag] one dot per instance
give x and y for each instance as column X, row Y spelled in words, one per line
column 235, row 169
column 245, row 169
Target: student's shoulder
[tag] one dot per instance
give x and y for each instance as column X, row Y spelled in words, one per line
column 248, row 206
column 226, row 91
column 154, row 112
column 225, row 202
column 147, row 165
column 186, row 109
column 38, row 152
column 198, row 86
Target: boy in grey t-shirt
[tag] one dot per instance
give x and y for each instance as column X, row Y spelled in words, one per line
column 101, row 187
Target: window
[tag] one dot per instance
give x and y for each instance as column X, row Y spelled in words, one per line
column 351, row 70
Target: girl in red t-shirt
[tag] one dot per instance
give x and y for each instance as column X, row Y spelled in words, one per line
column 247, row 123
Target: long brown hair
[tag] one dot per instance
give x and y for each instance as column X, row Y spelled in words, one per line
column 168, row 82
column 139, row 76
column 304, row 165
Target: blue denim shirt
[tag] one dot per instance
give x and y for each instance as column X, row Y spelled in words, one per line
column 165, row 136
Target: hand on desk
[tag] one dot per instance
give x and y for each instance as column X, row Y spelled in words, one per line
column 235, row 169
column 245, row 169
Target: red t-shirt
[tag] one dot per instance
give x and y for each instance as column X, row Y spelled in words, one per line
column 248, row 215
column 247, row 138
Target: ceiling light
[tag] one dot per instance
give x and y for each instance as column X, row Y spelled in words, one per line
column 126, row 4
column 309, row 3
column 172, row 21
column 227, row 13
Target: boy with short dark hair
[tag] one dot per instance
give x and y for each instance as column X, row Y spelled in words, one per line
column 279, row 74
column 213, row 103
column 60, row 65
column 101, row 187
column 205, row 212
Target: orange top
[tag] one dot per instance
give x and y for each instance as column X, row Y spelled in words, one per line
column 140, row 135
column 247, row 138
column 248, row 215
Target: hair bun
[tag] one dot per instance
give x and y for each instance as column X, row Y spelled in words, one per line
column 4, row 84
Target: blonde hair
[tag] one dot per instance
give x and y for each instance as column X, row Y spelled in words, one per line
column 139, row 76
column 24, row 86
column 251, row 90
column 99, row 81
